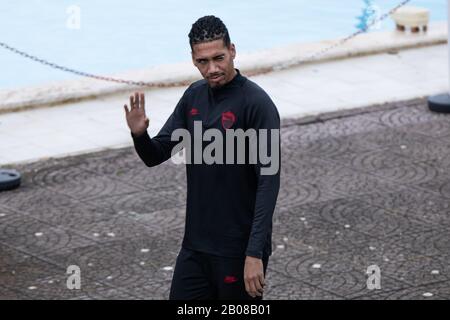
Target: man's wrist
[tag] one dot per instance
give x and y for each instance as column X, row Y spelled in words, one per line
column 137, row 135
column 253, row 256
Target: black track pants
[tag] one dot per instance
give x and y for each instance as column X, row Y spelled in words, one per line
column 201, row 276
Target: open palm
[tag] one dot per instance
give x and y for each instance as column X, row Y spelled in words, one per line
column 136, row 119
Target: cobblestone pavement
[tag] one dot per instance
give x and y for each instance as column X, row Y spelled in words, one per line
column 362, row 188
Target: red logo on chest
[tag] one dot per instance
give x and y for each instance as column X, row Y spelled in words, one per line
column 228, row 119
column 194, row 112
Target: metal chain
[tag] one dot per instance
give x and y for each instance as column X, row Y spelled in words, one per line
column 342, row 41
column 152, row 84
column 77, row 72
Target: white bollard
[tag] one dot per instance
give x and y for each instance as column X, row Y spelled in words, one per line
column 412, row 18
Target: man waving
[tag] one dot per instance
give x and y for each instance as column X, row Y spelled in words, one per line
column 229, row 210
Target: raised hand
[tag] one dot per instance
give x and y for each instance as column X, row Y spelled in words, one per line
column 136, row 119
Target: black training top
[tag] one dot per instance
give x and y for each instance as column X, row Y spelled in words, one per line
column 229, row 206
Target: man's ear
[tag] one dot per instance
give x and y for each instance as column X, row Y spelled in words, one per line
column 233, row 50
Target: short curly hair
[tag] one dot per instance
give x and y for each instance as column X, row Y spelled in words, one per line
column 208, row 28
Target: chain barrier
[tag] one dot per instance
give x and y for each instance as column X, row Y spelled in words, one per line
column 349, row 37
column 152, row 84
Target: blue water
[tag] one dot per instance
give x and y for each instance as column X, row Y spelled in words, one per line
column 116, row 36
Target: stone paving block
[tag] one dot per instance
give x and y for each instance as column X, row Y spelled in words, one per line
column 411, row 174
column 370, row 161
column 144, row 201
column 431, row 243
column 292, row 192
column 10, row 256
column 73, row 216
column 358, row 216
column 316, row 234
column 429, row 151
column 332, row 128
column 55, row 288
column 164, row 221
column 121, row 164
column 352, row 282
column 393, row 137
column 411, row 113
column 439, row 186
column 153, row 289
column 28, row 197
column 24, row 274
column 324, row 148
column 300, row 167
column 438, row 291
column 442, row 161
column 79, row 184
column 399, row 263
column 11, row 294
column 119, row 227
column 283, row 287
column 108, row 294
column 157, row 252
column 350, row 183
column 303, row 264
column 36, row 238
column 437, row 129
column 413, row 203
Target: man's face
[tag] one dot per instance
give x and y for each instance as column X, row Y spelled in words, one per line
column 214, row 60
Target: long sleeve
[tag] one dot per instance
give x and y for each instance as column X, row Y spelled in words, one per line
column 265, row 116
column 158, row 149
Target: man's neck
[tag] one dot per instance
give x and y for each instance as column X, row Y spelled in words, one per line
column 234, row 75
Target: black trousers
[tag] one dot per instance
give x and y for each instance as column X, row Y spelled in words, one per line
column 201, row 276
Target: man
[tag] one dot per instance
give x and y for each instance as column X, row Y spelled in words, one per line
column 228, row 231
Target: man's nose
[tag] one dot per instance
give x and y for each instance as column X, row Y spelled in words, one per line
column 213, row 68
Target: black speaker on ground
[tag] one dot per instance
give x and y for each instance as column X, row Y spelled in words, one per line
column 9, row 179
column 439, row 103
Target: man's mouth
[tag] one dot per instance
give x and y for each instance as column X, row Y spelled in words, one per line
column 216, row 78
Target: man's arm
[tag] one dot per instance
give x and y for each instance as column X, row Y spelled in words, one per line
column 268, row 175
column 265, row 116
column 158, row 149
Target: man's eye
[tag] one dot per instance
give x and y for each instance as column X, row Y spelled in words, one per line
column 219, row 58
